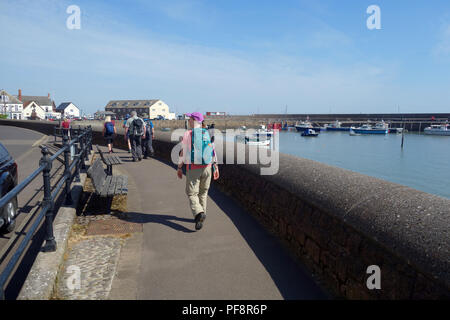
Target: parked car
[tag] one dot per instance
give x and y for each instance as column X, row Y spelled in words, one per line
column 8, row 180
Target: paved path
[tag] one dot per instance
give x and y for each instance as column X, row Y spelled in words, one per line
column 232, row 257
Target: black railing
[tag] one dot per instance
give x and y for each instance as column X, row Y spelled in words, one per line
column 81, row 143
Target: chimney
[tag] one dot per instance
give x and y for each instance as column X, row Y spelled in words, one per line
column 20, row 94
column 49, row 95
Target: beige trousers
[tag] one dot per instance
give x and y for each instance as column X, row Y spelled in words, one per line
column 197, row 186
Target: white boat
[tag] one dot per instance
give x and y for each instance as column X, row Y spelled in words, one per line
column 336, row 126
column 252, row 140
column 379, row 128
column 438, row 130
column 262, row 131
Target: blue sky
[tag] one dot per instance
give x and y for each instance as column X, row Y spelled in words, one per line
column 234, row 56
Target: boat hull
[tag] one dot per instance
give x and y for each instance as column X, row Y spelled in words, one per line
column 302, row 129
column 437, row 133
column 371, row 131
column 338, row 129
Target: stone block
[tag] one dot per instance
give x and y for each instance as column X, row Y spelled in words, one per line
column 313, row 250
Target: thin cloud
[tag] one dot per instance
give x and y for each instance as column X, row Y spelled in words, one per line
column 96, row 64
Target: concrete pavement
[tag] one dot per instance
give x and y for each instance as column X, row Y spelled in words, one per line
column 232, row 257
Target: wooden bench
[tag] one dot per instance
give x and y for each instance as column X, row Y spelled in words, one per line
column 107, row 186
column 109, row 161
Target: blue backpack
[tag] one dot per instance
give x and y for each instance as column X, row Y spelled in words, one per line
column 201, row 147
column 109, row 128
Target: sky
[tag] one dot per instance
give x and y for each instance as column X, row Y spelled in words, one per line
column 241, row 57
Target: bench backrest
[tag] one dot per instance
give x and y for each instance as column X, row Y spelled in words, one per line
column 97, row 174
column 101, row 154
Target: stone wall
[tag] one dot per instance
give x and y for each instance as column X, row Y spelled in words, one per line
column 338, row 223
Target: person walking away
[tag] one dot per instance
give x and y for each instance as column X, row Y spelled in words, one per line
column 148, row 141
column 135, row 126
column 198, row 155
column 109, row 130
column 65, row 125
column 127, row 136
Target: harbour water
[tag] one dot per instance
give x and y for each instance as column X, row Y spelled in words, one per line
column 423, row 163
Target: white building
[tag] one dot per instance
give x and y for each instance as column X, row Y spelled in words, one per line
column 32, row 110
column 150, row 108
column 47, row 104
column 69, row 110
column 10, row 106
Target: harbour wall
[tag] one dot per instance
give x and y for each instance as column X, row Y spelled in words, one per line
column 338, row 222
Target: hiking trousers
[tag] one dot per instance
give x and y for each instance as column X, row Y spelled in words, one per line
column 197, row 186
column 136, row 146
column 147, row 147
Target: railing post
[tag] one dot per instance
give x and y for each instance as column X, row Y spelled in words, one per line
column 67, row 170
column 85, row 141
column 83, row 153
column 78, row 158
column 50, row 243
column 90, row 138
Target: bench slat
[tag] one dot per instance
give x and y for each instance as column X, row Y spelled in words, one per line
column 104, row 191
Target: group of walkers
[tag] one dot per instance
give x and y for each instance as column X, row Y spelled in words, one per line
column 197, row 155
column 139, row 136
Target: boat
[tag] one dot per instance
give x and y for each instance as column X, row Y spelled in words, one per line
column 379, row 128
column 303, row 125
column 336, row 126
column 396, row 130
column 438, row 130
column 353, row 133
column 262, row 131
column 310, row 133
column 252, row 140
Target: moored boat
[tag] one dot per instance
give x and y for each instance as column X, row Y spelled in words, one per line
column 336, row 126
column 310, row 133
column 438, row 130
column 379, row 128
column 304, row 125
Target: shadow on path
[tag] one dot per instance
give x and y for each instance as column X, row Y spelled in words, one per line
column 292, row 280
column 166, row 220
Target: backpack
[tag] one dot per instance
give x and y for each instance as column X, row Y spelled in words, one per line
column 201, row 147
column 109, row 128
column 148, row 130
column 137, row 127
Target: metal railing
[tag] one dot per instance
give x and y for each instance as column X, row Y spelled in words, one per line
column 82, row 143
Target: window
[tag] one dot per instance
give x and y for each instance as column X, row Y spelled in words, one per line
column 154, row 110
column 114, row 104
column 136, row 103
column 163, row 110
column 124, row 104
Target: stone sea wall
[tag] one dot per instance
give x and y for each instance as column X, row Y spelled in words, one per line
column 338, row 222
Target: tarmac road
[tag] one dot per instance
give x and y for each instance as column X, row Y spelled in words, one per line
column 23, row 145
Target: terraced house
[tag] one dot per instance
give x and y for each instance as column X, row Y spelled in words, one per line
column 152, row 109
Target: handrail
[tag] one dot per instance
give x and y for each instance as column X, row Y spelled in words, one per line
column 83, row 146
